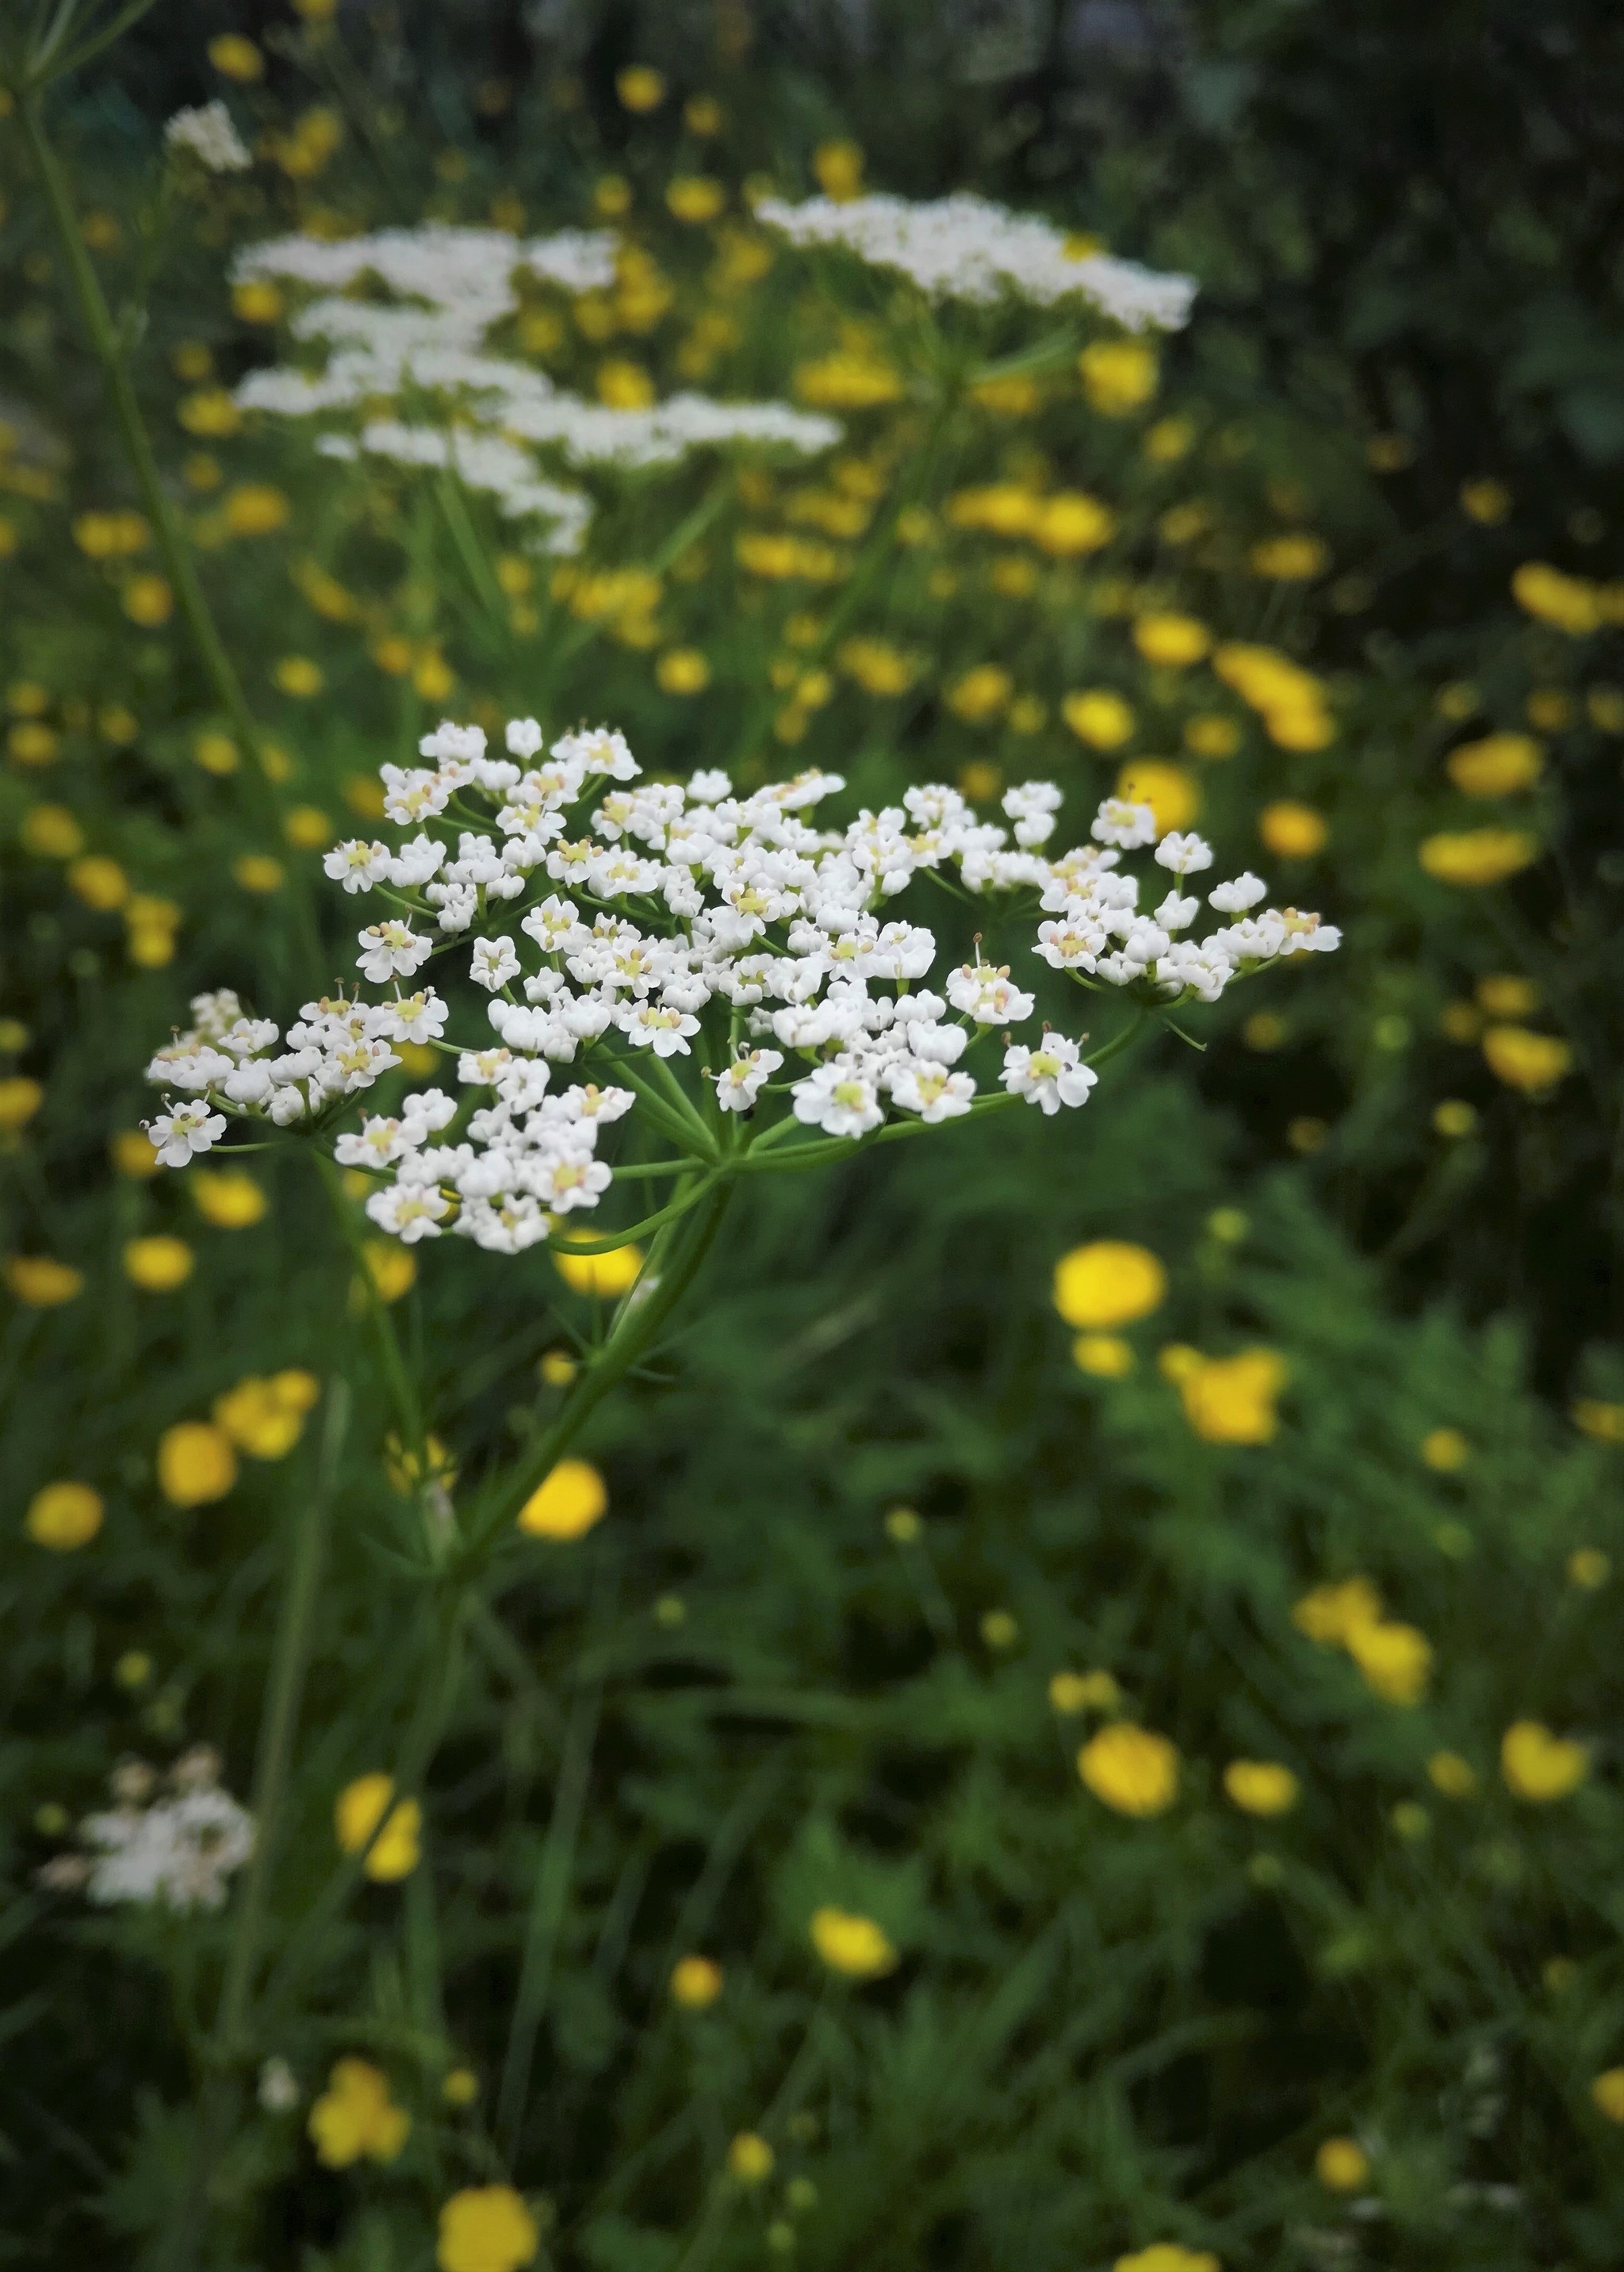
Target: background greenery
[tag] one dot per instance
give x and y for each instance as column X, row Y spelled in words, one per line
column 747, row 1694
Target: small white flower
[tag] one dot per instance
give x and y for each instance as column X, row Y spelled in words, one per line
column 1175, row 914
column 1235, row 897
column 650, row 1025
column 927, row 1087
column 1126, row 825
column 1051, row 1075
column 419, row 1017
column 573, row 1179
column 987, row 995
column 391, row 948
column 410, row 1211
column 493, row 963
column 179, row 1134
column 738, row 1088
column 839, row 1098
column 357, row 865
column 278, row 2091
column 1186, row 854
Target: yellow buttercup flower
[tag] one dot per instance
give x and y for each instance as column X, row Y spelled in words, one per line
column 359, row 1809
column 1071, row 523
column 1002, row 508
column 1499, row 765
column 1108, row 1282
column 236, row 57
column 1084, row 1692
column 1342, row 2165
column 1171, row 792
column 1607, row 2094
column 197, row 1463
column 640, row 88
column 1098, row 717
column 132, row 1153
column 1477, row 856
column 604, row 1276
column 51, row 833
column 148, row 601
column 1169, row 2256
column 1395, row 1660
column 99, row 882
column 838, row 170
column 696, row 1983
column 256, row 508
column 64, row 1516
column 695, row 198
column 1539, row 1766
column 1261, row 1787
column 851, row 1944
column 1452, row 1775
column 1328, row 1614
column 1231, row 1400
column 1118, row 375
column 227, row 1197
column 1131, row 1769
column 158, row 1264
column 1170, row 640
column 1294, row 558
column 1107, row 1357
column 749, row 2158
column 1445, row 1450
column 980, row 694
column 20, row 1098
column 1292, row 831
column 1567, row 602
column 486, row 2229
column 848, row 380
column 355, row 2117
column 1525, row 1059
column 571, row 1500
column 41, row 1281
column 391, row 1268
column 265, row 1418
column 682, row 670
column 625, row 385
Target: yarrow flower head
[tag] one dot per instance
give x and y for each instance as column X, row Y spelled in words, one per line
column 452, row 285
column 208, row 133
column 179, row 1850
column 966, row 248
column 718, row 970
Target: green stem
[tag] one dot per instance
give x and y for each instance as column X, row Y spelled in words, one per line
column 672, row 1265
column 406, row 1403
column 677, row 1258
column 279, row 1724
column 290, row 1657
column 552, row 1883
column 172, row 540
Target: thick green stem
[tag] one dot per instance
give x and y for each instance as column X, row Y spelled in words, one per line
column 172, row 540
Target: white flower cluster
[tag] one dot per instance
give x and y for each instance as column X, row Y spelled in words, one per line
column 966, row 248
column 461, row 282
column 210, row 136
column 179, row 1849
column 668, row 917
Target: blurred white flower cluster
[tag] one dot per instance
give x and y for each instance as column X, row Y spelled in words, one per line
column 452, row 285
column 208, row 134
column 177, row 1846
column 966, row 248
column 675, row 917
